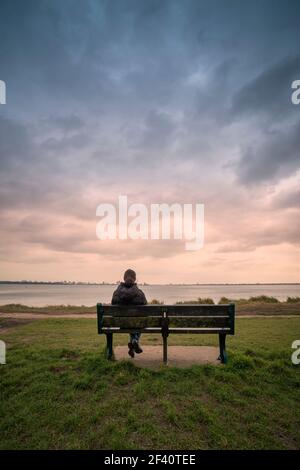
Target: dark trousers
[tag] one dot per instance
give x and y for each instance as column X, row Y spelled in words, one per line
column 135, row 337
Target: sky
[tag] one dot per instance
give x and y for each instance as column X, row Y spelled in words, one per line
column 162, row 101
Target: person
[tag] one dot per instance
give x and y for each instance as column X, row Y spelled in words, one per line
column 128, row 293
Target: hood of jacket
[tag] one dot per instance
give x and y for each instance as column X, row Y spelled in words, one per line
column 127, row 294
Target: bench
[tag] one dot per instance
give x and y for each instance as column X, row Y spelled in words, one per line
column 166, row 319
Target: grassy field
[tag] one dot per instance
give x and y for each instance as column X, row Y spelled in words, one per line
column 58, row 391
column 262, row 305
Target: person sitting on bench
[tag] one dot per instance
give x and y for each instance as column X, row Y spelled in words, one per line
column 128, row 293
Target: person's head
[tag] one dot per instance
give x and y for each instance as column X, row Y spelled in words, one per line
column 129, row 277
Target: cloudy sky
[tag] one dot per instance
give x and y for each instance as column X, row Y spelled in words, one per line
column 162, row 101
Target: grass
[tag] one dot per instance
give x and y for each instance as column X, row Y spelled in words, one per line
column 20, row 308
column 260, row 305
column 59, row 392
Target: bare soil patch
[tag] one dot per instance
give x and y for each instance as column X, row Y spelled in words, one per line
column 178, row 356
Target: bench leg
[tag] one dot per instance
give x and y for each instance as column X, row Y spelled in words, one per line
column 223, row 353
column 109, row 345
column 165, row 349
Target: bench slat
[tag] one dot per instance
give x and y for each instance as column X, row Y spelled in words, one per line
column 200, row 330
column 208, row 330
column 172, row 310
column 143, row 322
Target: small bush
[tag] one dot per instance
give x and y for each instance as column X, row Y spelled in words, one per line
column 156, row 302
column 293, row 300
column 265, row 299
column 224, row 300
column 16, row 308
column 200, row 300
column 206, row 300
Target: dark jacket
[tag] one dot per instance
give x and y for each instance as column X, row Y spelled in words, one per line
column 125, row 295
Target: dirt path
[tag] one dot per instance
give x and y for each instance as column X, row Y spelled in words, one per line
column 40, row 316
column 178, row 356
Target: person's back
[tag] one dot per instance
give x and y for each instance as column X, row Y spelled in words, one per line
column 128, row 293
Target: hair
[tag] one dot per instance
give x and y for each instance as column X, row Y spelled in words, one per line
column 129, row 276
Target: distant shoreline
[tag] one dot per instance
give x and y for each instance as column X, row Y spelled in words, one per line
column 73, row 283
column 254, row 306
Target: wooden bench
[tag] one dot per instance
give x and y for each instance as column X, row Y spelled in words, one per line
column 166, row 319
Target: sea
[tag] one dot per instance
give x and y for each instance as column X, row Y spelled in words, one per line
column 39, row 295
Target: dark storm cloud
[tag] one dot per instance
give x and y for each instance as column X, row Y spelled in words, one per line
column 277, row 155
column 270, row 91
column 15, row 142
column 155, row 132
column 78, row 140
column 274, row 150
column 66, row 123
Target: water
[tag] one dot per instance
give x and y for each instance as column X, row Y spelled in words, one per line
column 41, row 295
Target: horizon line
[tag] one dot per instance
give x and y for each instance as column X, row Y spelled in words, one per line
column 24, row 281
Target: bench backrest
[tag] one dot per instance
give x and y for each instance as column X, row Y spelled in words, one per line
column 182, row 318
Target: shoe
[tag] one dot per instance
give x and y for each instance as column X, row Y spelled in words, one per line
column 137, row 347
column 131, row 350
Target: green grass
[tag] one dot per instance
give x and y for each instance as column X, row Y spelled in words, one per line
column 20, row 308
column 59, row 392
column 261, row 305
